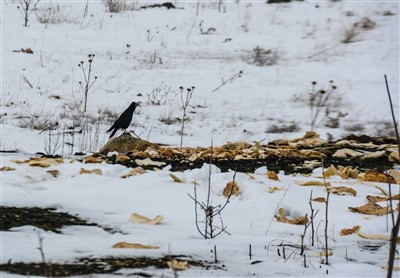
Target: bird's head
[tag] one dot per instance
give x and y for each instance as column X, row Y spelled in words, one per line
column 135, row 104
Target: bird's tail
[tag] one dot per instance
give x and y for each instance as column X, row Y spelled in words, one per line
column 112, row 133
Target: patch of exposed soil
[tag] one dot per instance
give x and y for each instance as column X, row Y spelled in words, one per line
column 47, row 219
column 88, row 266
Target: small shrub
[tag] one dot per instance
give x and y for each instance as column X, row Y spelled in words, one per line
column 158, row 95
column 365, row 23
column 38, row 121
column 263, row 57
column 388, row 13
column 354, row 127
column 117, row 6
column 50, row 15
column 349, row 35
column 284, row 128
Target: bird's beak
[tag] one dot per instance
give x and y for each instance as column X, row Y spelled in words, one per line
column 138, row 103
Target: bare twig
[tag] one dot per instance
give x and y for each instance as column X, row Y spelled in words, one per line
column 236, row 75
column 395, row 229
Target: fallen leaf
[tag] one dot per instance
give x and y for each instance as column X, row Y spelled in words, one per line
column 375, row 176
column 137, row 218
column 371, row 209
column 322, row 253
column 348, row 172
column 272, row 175
column 175, row 178
column 395, row 268
column 133, row 245
column 122, row 158
column 383, row 191
column 135, row 171
column 319, row 200
column 347, row 153
column 331, row 171
column 275, row 188
column 346, row 232
column 250, row 176
column 149, row 162
column 92, row 159
column 231, row 189
column 281, row 217
column 6, row 168
column 340, row 190
column 94, row 171
column 395, row 174
column 54, row 173
column 376, row 236
column 178, row 265
column 43, row 162
column 313, row 183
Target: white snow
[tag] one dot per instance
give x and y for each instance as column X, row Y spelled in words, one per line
column 167, row 50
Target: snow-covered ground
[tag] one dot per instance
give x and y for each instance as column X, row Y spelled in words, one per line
column 146, row 55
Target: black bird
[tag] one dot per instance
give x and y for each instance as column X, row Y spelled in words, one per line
column 124, row 120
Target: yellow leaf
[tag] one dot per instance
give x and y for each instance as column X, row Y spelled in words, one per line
column 133, row 245
column 322, row 253
column 275, row 188
column 312, row 183
column 371, row 209
column 319, row 200
column 231, row 189
column 122, row 158
column 148, row 161
column 375, row 176
column 272, row 175
column 6, row 168
column 135, row 171
column 137, row 218
column 94, row 171
column 178, row 265
column 377, row 236
column 281, row 217
column 93, row 159
column 346, row 232
column 175, row 178
column 341, row 189
column 54, row 173
column 331, row 171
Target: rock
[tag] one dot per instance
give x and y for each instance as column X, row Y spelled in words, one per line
column 126, row 143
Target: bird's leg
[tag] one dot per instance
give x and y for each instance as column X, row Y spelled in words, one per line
column 135, row 134
column 124, row 130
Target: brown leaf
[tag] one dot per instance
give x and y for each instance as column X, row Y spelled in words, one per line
column 137, row 218
column 93, row 159
column 43, row 162
column 135, row 171
column 275, row 188
column 175, row 178
column 148, row 161
column 178, row 265
column 348, row 172
column 94, row 171
column 331, row 171
column 319, row 200
column 272, row 175
column 122, row 158
column 312, row 183
column 371, row 209
column 133, row 245
column 376, row 176
column 340, row 190
column 346, row 232
column 54, row 173
column 27, row 50
column 231, row 189
column 376, row 236
column 281, row 217
column 6, row 168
